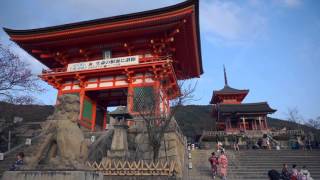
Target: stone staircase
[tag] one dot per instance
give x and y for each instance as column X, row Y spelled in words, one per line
column 254, row 164
column 201, row 167
column 10, row 157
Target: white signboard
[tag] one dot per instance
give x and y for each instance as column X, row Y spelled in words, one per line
column 104, row 63
column 28, row 141
column 1, row 156
column 93, row 138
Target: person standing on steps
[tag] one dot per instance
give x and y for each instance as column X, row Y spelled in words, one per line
column 304, row 174
column 214, row 164
column 219, row 147
column 19, row 162
column 273, row 175
column 265, row 142
column 285, row 174
column 294, row 173
column 268, row 143
column 223, row 165
column 236, row 144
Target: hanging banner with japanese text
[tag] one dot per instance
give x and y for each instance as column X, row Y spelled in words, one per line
column 104, row 63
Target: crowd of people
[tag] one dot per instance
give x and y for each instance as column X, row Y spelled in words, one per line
column 265, row 143
column 219, row 163
column 290, row 174
column 262, row 143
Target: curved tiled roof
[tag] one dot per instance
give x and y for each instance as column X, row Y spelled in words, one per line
column 106, row 19
column 56, row 36
column 245, row 108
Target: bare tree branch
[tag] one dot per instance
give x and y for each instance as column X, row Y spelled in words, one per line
column 315, row 123
column 16, row 79
column 157, row 120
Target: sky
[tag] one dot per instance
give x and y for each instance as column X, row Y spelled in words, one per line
column 270, row 47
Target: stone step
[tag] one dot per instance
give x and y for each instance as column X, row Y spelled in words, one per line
column 255, row 164
column 264, row 167
column 268, row 164
column 10, row 158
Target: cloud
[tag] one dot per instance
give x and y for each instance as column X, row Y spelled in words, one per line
column 292, row 3
column 228, row 22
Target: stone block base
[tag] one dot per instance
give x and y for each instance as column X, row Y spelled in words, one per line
column 51, row 175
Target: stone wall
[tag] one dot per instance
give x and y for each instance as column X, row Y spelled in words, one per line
column 51, row 175
column 172, row 149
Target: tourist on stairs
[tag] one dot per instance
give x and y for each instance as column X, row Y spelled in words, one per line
column 214, row 164
column 304, row 174
column 19, row 162
column 273, row 175
column 223, row 165
column 285, row 174
column 219, row 147
column 236, row 144
column 294, row 173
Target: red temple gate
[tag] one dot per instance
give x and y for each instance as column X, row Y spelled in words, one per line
column 108, row 61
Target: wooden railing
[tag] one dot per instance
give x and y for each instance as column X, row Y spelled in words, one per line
column 213, row 133
column 54, row 70
column 135, row 168
column 287, row 132
column 253, row 132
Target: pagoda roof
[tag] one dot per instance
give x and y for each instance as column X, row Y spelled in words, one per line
column 227, row 90
column 106, row 30
column 260, row 107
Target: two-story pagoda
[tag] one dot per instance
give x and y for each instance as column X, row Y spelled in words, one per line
column 233, row 116
column 108, row 61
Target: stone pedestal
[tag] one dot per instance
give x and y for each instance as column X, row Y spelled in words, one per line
column 51, row 175
column 119, row 146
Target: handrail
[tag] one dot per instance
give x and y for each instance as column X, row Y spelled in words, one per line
column 21, row 145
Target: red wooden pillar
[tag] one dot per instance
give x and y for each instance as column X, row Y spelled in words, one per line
column 94, row 114
column 265, row 121
column 255, row 124
column 104, row 119
column 130, row 96
column 244, row 123
column 157, row 90
column 81, row 95
column 226, row 125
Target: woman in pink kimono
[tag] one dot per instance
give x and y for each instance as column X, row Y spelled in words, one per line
column 223, row 165
column 214, row 165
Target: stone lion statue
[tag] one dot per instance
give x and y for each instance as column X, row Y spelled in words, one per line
column 63, row 143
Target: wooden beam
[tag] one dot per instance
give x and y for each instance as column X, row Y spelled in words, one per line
column 45, row 56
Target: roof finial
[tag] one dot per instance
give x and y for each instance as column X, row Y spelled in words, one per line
column 225, row 76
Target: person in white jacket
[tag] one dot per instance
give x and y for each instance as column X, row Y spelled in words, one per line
column 304, row 174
